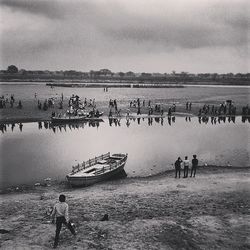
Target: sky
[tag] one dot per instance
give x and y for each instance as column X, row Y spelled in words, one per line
column 195, row 36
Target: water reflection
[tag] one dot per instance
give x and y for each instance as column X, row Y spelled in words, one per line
column 217, row 119
column 72, row 126
column 3, row 127
column 114, row 121
column 117, row 122
column 43, row 144
column 188, row 118
column 245, row 118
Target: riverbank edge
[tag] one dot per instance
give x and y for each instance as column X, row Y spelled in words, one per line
column 63, row 185
column 105, row 117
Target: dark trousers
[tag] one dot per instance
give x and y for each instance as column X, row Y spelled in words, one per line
column 177, row 170
column 185, row 171
column 193, row 170
column 59, row 221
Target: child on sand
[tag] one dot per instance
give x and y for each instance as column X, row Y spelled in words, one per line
column 61, row 213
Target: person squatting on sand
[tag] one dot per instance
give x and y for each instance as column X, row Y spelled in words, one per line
column 61, row 213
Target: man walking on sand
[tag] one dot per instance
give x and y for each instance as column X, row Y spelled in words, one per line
column 61, row 213
column 186, row 167
column 194, row 165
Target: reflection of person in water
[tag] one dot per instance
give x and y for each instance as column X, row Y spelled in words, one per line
column 110, row 122
column 127, row 123
column 169, row 120
column 12, row 126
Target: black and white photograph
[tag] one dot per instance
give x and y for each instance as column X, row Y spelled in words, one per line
column 125, row 124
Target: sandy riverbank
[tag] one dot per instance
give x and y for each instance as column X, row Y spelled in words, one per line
column 210, row 211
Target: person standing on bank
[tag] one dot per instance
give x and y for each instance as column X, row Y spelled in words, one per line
column 61, row 213
column 177, row 165
column 186, row 167
column 194, row 165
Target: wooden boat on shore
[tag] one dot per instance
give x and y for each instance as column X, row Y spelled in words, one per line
column 97, row 169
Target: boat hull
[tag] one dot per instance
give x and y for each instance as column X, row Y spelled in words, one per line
column 66, row 120
column 75, row 119
column 79, row 181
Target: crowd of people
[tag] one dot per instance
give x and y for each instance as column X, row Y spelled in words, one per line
column 225, row 111
column 157, row 108
column 226, row 108
column 4, row 100
column 113, row 108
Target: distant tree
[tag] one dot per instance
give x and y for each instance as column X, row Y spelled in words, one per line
column 184, row 74
column 130, row 74
column 146, row 74
column 121, row 74
column 12, row 69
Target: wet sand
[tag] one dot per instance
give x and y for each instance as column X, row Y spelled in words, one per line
column 211, row 211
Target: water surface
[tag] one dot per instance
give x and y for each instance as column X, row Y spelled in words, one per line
column 36, row 151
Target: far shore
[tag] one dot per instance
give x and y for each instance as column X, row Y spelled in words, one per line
column 210, row 211
column 119, row 83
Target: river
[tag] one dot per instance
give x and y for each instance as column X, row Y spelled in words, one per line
column 35, row 151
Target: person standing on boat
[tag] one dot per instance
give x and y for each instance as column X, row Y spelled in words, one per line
column 177, row 165
column 194, row 165
column 61, row 213
column 186, row 167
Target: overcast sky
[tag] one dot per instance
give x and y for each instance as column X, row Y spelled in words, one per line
column 122, row 35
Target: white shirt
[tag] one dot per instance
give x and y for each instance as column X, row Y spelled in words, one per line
column 61, row 209
column 186, row 163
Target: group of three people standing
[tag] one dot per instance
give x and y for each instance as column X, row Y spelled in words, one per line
column 186, row 164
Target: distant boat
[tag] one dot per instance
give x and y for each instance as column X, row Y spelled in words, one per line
column 97, row 169
column 71, row 118
column 80, row 116
column 92, row 114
